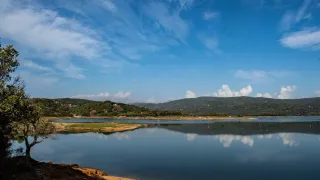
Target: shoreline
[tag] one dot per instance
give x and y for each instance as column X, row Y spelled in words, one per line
column 54, row 171
column 157, row 118
column 174, row 117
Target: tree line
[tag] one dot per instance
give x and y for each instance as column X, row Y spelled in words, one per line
column 76, row 107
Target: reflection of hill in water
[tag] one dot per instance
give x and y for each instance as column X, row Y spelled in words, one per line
column 246, row 128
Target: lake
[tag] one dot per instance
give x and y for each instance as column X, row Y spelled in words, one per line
column 220, row 151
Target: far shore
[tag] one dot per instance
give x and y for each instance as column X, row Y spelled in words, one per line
column 174, row 117
column 157, row 118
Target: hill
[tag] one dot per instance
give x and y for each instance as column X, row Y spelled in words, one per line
column 240, row 106
column 81, row 107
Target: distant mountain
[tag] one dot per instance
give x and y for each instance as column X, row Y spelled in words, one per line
column 240, row 106
column 75, row 107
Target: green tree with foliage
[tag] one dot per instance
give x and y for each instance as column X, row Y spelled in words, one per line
column 11, row 97
column 32, row 128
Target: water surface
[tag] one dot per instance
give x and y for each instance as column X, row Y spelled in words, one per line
column 224, row 151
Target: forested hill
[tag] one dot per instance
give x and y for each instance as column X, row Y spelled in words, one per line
column 240, row 106
column 81, row 107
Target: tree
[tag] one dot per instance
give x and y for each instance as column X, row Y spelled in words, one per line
column 33, row 127
column 11, row 97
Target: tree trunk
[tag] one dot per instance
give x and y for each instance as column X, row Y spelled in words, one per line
column 28, row 149
column 28, row 155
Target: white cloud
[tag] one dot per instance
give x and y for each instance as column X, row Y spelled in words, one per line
column 265, row 95
column 309, row 38
column 227, row 140
column 190, row 94
column 191, row 137
column 318, row 92
column 287, row 139
column 210, row 15
column 225, row 91
column 119, row 96
column 258, row 75
column 32, row 65
column 286, row 92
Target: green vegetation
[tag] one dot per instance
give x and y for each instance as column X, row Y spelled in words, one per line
column 240, row 106
column 79, row 107
column 12, row 96
column 18, row 115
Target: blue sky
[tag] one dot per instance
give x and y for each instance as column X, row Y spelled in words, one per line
column 155, row 51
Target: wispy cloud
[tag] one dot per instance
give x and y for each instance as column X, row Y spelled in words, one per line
column 45, row 33
column 35, row 82
column 265, row 95
column 317, row 93
column 209, row 15
column 186, row 4
column 260, row 75
column 305, row 39
column 109, row 5
column 291, row 18
column 119, row 96
column 301, row 12
column 32, row 65
column 170, row 21
column 210, row 42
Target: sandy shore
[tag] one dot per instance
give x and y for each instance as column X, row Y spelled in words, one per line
column 96, row 127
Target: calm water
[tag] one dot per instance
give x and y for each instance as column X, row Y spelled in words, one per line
column 220, row 151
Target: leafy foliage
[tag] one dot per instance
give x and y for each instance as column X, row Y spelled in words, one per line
column 16, row 110
column 12, row 96
column 241, row 106
column 31, row 125
column 80, row 107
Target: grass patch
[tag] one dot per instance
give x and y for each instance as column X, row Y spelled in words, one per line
column 91, row 125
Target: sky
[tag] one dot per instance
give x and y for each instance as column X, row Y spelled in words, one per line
column 161, row 50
